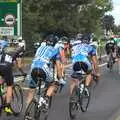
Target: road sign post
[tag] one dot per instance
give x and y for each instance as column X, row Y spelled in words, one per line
column 11, row 17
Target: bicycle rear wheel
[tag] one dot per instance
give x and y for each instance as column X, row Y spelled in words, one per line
column 36, row 112
column 110, row 63
column 17, row 99
column 74, row 103
column 85, row 100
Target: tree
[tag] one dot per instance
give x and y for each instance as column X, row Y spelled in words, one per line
column 67, row 16
column 108, row 22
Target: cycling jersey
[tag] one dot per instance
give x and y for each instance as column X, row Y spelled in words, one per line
column 3, row 44
column 9, row 57
column 6, row 63
column 41, row 61
column 80, row 53
column 82, row 49
column 117, row 40
column 43, row 55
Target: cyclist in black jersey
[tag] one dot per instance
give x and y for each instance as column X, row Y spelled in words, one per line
column 8, row 59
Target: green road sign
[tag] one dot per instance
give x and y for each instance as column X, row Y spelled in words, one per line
column 10, row 18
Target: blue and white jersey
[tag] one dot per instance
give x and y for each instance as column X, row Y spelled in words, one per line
column 59, row 46
column 3, row 44
column 43, row 56
column 80, row 50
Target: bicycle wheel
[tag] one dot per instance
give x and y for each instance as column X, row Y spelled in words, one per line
column 84, row 100
column 74, row 103
column 1, row 104
column 32, row 111
column 43, row 112
column 17, row 99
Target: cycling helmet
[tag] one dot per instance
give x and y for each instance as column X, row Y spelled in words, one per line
column 51, row 40
column 64, row 39
column 86, row 38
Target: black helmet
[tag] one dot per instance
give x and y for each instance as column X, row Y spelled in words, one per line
column 64, row 39
column 52, row 40
column 86, row 38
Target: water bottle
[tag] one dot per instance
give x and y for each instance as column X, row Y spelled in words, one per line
column 81, row 88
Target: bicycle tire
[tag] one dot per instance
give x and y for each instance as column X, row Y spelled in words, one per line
column 83, row 97
column 17, row 99
column 31, row 109
column 73, row 103
column 110, row 63
column 1, row 104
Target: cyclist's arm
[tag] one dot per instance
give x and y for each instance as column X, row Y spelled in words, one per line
column 95, row 61
column 95, row 64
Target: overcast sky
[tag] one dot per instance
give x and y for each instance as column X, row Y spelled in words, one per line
column 116, row 11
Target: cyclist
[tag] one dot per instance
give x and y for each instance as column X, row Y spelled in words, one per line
column 110, row 46
column 62, row 59
column 117, row 40
column 83, row 53
column 7, row 60
column 41, row 67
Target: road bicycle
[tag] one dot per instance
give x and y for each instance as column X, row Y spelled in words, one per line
column 35, row 111
column 80, row 97
column 17, row 96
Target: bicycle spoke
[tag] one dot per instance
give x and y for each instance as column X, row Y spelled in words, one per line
column 74, row 103
column 31, row 111
column 17, row 99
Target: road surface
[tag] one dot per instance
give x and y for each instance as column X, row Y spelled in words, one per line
column 105, row 99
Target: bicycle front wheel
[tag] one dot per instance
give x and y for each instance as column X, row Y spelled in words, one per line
column 17, row 99
column 84, row 100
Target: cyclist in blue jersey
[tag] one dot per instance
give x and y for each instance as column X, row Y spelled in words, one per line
column 41, row 67
column 82, row 52
column 3, row 43
column 62, row 60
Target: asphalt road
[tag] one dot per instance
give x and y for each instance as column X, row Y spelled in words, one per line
column 105, row 99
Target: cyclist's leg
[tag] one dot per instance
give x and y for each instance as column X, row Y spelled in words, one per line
column 6, row 70
column 60, row 71
column 32, row 85
column 87, row 68
column 51, row 78
column 107, row 49
column 73, row 82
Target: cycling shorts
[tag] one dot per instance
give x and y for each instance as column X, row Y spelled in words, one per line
column 6, row 73
column 45, row 72
column 82, row 65
column 109, row 47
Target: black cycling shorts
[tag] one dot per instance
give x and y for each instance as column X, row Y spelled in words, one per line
column 36, row 74
column 78, row 66
column 109, row 47
column 6, row 73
